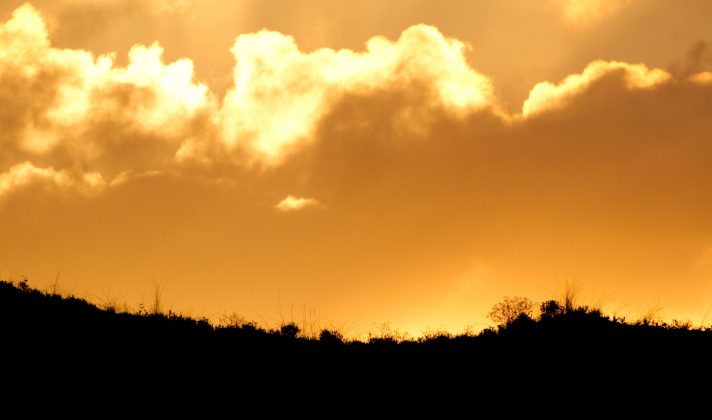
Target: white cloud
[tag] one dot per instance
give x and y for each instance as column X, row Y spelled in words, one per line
column 280, row 93
column 291, row 203
column 26, row 174
column 547, row 96
column 64, row 93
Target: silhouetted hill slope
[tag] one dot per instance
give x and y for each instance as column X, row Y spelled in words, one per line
column 54, row 336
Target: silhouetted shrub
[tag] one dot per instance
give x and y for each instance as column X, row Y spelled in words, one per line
column 234, row 320
column 385, row 334
column 550, row 309
column 435, row 335
column 331, row 337
column 508, row 310
column 681, row 325
column 289, row 330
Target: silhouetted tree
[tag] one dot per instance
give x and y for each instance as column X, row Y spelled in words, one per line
column 511, row 308
column 550, row 308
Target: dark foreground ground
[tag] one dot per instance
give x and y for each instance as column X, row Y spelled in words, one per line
column 63, row 345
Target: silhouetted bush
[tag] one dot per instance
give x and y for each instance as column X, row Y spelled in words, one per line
column 508, row 310
column 550, row 308
column 289, row 330
column 331, row 337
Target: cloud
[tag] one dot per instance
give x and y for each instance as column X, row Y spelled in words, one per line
column 25, row 175
column 703, row 78
column 280, row 93
column 291, row 203
column 149, row 115
column 128, row 176
column 697, row 59
column 72, row 103
column 547, row 96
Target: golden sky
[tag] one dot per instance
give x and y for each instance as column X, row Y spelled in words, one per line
column 360, row 161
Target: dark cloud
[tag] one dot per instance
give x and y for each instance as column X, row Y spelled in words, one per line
column 697, row 60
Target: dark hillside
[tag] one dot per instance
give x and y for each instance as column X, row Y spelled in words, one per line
column 52, row 335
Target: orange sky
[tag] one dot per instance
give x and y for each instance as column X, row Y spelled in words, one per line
column 362, row 162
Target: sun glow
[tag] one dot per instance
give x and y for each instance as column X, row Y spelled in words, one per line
column 586, row 12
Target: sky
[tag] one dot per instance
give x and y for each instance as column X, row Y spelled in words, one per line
column 359, row 162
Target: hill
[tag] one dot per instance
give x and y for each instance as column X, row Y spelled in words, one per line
column 50, row 336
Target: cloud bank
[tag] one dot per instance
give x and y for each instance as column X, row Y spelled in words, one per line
column 77, row 109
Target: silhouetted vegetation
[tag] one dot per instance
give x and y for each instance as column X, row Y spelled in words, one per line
column 48, row 331
column 510, row 309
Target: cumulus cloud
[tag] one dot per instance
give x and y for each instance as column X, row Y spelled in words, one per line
column 547, row 96
column 291, row 203
column 75, row 100
column 280, row 93
column 68, row 107
column 151, row 115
